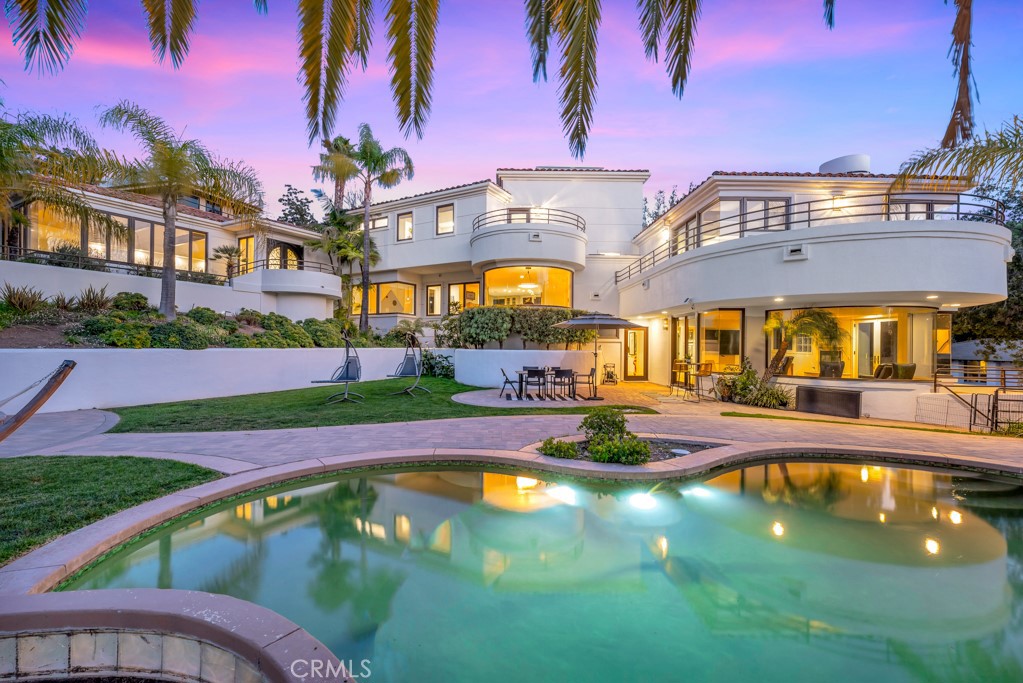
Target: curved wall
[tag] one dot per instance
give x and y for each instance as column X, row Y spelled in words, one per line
column 881, row 263
column 535, row 243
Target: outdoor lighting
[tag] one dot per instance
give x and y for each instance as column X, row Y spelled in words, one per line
column 778, row 529
column 864, row 474
column 642, row 501
column 662, row 543
column 934, row 513
column 954, row 305
column 836, row 198
column 882, row 518
column 779, row 299
column 933, row 296
column 665, row 324
column 697, row 491
column 522, row 483
column 932, row 546
column 563, row 493
column 955, row 517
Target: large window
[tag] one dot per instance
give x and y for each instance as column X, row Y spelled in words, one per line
column 404, row 227
column 528, row 286
column 446, row 219
column 720, row 221
column 283, row 256
column 189, row 248
column 727, row 219
column 882, row 342
column 434, row 305
column 463, row 295
column 51, row 230
column 720, row 339
column 375, row 223
column 386, row 298
column 247, row 247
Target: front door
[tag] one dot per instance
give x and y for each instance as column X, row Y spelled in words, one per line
column 635, row 354
column 865, row 349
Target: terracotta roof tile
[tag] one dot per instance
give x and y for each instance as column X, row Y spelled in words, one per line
column 150, row 200
column 423, row 194
column 805, row 174
column 581, row 170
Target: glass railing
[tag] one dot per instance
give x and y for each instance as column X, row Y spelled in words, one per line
column 835, row 210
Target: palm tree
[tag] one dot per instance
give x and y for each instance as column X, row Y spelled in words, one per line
column 368, row 163
column 992, row 159
column 45, row 159
column 231, row 255
column 341, row 240
column 335, row 38
column 820, row 325
column 173, row 168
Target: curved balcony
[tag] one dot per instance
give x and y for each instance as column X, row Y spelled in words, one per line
column 832, row 211
column 526, row 214
column 298, row 277
column 529, row 235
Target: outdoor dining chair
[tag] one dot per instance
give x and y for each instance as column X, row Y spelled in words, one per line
column 563, row 379
column 587, row 378
column 536, row 377
column 508, row 384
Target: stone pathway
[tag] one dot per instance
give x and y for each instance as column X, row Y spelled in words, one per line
column 232, row 452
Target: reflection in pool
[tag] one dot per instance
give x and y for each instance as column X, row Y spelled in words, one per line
column 787, row 572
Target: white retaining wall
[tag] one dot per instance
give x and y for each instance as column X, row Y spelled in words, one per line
column 482, row 367
column 107, row 378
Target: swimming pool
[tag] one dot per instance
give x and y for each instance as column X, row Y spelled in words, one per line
column 776, row 572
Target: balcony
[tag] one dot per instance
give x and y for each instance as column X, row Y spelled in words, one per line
column 832, row 211
column 529, row 235
column 291, row 277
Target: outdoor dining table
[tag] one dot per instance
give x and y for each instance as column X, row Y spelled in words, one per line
column 548, row 373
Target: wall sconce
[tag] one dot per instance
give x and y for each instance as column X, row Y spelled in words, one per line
column 836, row 203
column 665, row 323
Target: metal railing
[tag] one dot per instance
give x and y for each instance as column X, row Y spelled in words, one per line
column 810, row 214
column 995, row 410
column 83, row 261
column 278, row 264
column 1002, row 377
column 529, row 215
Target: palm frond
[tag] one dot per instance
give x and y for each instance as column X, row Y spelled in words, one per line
column 538, row 32
column 412, row 31
column 341, row 30
column 680, row 36
column 261, row 6
column 576, row 23
column 363, row 39
column 993, row 158
column 651, row 18
column 45, row 31
column 145, row 126
column 170, row 24
column 960, row 125
column 829, row 13
column 59, row 131
column 234, row 184
column 329, row 34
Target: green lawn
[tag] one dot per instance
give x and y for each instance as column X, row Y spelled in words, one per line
column 45, row 497
column 306, row 408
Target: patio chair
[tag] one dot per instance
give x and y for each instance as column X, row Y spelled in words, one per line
column 564, row 379
column 904, row 370
column 677, row 381
column 705, row 381
column 832, row 368
column 883, row 371
column 587, row 378
column 509, row 384
column 536, row 377
column 349, row 372
column 411, row 366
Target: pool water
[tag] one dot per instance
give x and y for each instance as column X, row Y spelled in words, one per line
column 778, row 572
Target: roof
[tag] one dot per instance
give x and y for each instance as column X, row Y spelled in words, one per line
column 424, row 194
column 575, row 169
column 974, row 350
column 150, row 200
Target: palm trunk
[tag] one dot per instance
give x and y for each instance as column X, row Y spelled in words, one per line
column 776, row 360
column 364, row 313
column 168, row 282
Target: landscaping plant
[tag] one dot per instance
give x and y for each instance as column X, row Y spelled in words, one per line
column 554, row 448
column 609, row 440
column 22, row 300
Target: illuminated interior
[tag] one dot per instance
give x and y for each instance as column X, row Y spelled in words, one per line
column 720, row 339
column 528, row 286
column 880, row 342
column 463, row 295
column 357, row 299
column 397, row 297
column 51, row 230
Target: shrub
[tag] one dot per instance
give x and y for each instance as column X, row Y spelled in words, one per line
column 22, row 300
column 323, row 333
column 627, row 451
column 62, row 302
column 553, row 448
column 485, row 324
column 749, row 389
column 132, row 335
column 238, row 341
column 270, row 340
column 99, row 325
column 448, row 333
column 130, row 301
column 292, row 332
column 397, row 335
column 437, row 365
column 1012, row 429
column 228, row 325
column 178, row 334
column 204, row 315
column 604, row 424
column 248, row 316
column 94, row 300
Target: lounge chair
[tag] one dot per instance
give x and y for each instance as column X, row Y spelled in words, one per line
column 904, row 371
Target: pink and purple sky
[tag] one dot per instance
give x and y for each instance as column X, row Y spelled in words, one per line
column 770, row 89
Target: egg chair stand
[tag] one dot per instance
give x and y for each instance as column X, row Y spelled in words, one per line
column 348, row 373
column 53, row 380
column 411, row 366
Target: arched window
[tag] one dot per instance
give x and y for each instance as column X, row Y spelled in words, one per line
column 283, row 257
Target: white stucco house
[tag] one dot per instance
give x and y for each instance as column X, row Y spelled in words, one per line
column 276, row 272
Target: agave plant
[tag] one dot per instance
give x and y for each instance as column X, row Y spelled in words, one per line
column 335, row 36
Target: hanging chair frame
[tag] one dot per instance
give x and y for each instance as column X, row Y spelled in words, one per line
column 411, row 365
column 348, row 373
column 9, row 423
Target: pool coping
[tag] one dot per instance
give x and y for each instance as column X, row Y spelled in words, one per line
column 47, row 566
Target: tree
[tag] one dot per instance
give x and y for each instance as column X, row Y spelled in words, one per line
column 335, row 38
column 341, row 240
column 45, row 159
column 662, row 202
column 820, row 325
column 231, row 255
column 175, row 167
column 1000, row 324
column 370, row 164
column 296, row 208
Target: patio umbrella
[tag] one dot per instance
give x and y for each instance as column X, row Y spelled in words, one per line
column 596, row 321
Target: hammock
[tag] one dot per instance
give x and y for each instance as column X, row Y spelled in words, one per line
column 9, row 423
